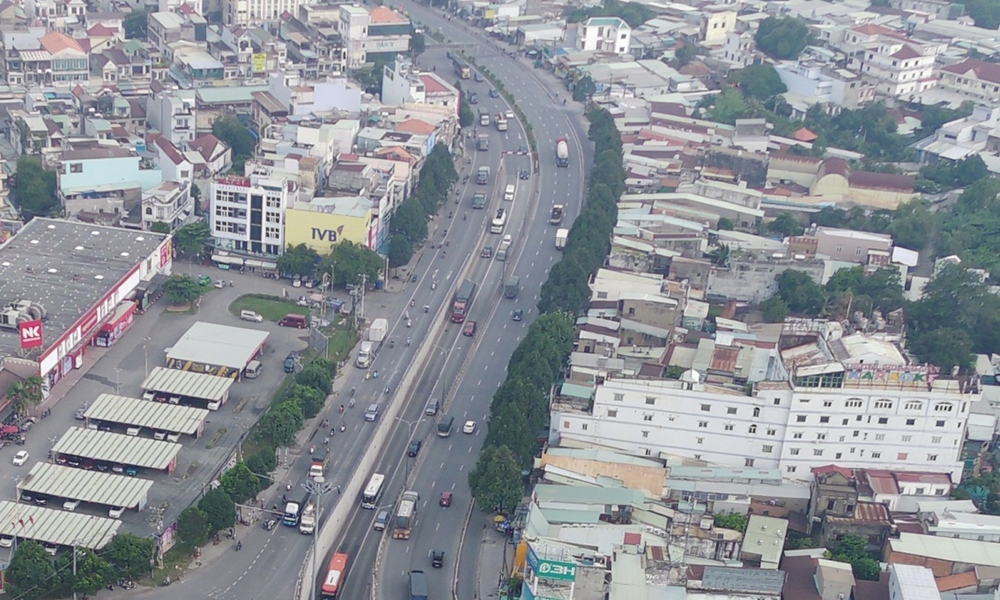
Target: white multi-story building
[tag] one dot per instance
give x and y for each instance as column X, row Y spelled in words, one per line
column 605, row 34
column 247, row 214
column 254, row 12
column 716, row 23
column 897, row 68
column 850, row 400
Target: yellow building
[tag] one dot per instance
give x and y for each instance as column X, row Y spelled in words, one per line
column 322, row 223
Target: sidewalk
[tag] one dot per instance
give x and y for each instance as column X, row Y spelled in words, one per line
column 491, row 560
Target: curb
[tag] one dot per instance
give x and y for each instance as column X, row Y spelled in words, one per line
column 461, row 546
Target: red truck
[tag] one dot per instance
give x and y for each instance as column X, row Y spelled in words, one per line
column 463, row 301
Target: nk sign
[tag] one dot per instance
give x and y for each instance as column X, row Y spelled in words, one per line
column 551, row 569
column 31, row 334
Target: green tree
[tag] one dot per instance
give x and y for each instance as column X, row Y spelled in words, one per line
column 350, row 262
column 735, row 521
column 93, row 572
column 725, row 224
column 466, row 116
column 193, row 527
column 280, row 424
column 584, row 89
column 130, row 555
column 957, row 298
column 775, row 309
column 785, row 225
column 688, row 51
column 31, row 572
column 410, row 221
column 400, row 250
column 219, row 508
column 181, row 289
column 495, row 482
column 759, row 82
column 137, row 24
column 912, row 225
column 310, row 398
column 782, row 39
column 509, row 427
column 633, row 14
column 853, row 549
column 984, row 13
column 235, row 134
column 240, row 483
column 316, row 377
column 417, row 43
column 300, row 260
column 35, row 189
column 263, row 462
column 945, row 348
column 719, row 255
column 25, row 395
column 192, row 239
column 727, row 106
column 159, row 227
column 800, row 292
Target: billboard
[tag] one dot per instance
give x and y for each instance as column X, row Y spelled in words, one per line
column 551, row 569
column 259, row 62
column 31, row 334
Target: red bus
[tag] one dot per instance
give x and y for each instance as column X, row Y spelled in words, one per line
column 334, row 576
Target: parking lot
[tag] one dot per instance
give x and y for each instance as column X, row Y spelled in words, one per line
column 121, row 369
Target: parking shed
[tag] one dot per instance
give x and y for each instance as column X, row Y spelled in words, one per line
column 176, row 386
column 67, row 483
column 216, row 349
column 46, row 525
column 118, row 449
column 133, row 412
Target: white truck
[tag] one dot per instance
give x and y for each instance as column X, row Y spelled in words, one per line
column 561, row 236
column 376, row 334
column 504, row 248
column 307, row 525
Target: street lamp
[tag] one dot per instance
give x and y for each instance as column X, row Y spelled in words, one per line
column 318, row 487
column 145, row 353
column 409, row 430
column 117, row 382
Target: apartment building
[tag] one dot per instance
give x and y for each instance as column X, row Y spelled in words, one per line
column 254, row 12
column 247, row 214
column 812, row 82
column 830, row 398
column 371, row 34
column 716, row 23
column 974, row 78
column 174, row 114
column 897, row 68
column 33, row 57
column 604, row 34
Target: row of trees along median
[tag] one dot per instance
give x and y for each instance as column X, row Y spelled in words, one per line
column 408, row 228
column 520, row 408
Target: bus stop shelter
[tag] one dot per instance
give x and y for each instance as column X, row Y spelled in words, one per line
column 56, row 481
column 133, row 412
column 175, row 386
column 219, row 350
column 59, row 527
column 116, row 448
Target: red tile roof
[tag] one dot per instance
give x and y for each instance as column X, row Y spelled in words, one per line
column 957, row 582
column 186, row 9
column 872, row 29
column 849, row 474
column 415, row 126
column 882, row 181
column 804, row 135
column 383, row 14
column 978, row 68
column 102, row 30
column 432, row 85
column 169, row 150
column 208, row 146
column 906, row 52
column 633, row 539
column 55, row 42
column 835, row 166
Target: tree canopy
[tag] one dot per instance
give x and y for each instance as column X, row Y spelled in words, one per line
column 782, row 39
column 496, row 479
column 299, row 260
column 181, row 289
column 759, row 82
column 137, row 24
column 237, row 136
column 192, row 239
column 410, row 220
column 630, row 12
column 349, row 262
column 35, row 189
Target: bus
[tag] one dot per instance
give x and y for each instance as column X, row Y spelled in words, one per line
column 499, row 221
column 373, row 491
column 334, row 577
column 461, row 69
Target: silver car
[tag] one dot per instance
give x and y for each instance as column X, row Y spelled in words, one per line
column 372, row 412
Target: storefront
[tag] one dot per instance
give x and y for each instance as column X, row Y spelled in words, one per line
column 117, row 325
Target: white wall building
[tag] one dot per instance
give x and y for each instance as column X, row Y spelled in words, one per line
column 605, row 34
column 254, row 12
column 912, row 582
column 852, row 401
column 247, row 214
column 401, row 83
column 174, row 114
column 169, row 202
column 897, row 68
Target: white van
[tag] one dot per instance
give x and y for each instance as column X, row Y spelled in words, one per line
column 249, row 315
column 133, row 431
column 214, row 404
column 508, row 193
column 253, row 369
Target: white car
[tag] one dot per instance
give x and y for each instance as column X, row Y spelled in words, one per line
column 20, row 458
column 6, row 541
column 510, row 114
column 116, row 512
column 469, row 427
column 71, row 505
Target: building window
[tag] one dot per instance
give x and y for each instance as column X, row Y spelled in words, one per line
column 914, row 405
column 944, row 407
column 824, row 419
column 584, row 426
column 876, row 455
column 771, row 431
column 76, row 168
column 837, row 456
column 901, row 456
column 800, row 419
column 731, row 410
column 647, row 417
column 820, row 436
column 931, row 458
column 827, row 403
column 883, row 420
column 878, row 436
column 612, row 413
column 883, row 404
column 748, row 462
column 699, row 440
column 703, row 424
column 756, row 411
column 939, row 423
column 818, row 452
column 777, row 401
column 565, row 424
column 797, row 435
column 645, row 434
column 794, row 451
column 845, row 421
column 936, row 439
column 706, row 407
column 790, row 469
column 753, row 429
column 650, row 400
column 853, row 403
column 767, row 449
column 619, row 397
column 911, row 421
column 907, row 438
column 728, row 427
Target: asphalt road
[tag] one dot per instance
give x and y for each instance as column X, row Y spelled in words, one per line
column 478, row 366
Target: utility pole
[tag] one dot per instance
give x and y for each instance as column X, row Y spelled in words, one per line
column 318, row 487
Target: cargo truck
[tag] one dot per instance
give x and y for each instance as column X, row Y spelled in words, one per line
column 562, row 152
column 377, row 331
column 483, row 175
column 504, row 247
column 479, row 200
column 320, row 458
column 512, row 287
column 307, row 525
column 561, row 236
column 482, row 142
column 484, row 118
column 406, row 515
column 557, row 215
column 501, row 122
column 293, row 511
column 365, row 355
column 418, row 585
column 463, row 301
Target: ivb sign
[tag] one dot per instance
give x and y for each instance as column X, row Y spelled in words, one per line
column 31, row 334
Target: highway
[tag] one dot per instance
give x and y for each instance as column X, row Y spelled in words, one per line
column 476, row 367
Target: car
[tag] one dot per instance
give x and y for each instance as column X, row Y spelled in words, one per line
column 371, row 413
column 432, row 407
column 88, row 464
column 290, row 361
column 524, row 174
column 51, row 549
column 445, row 500
column 6, row 541
column 518, row 314
column 220, row 284
column 61, row 460
column 20, row 458
column 71, row 505
column 469, row 329
column 414, row 448
column 509, row 114
column 294, row 320
column 478, row 76
column 381, row 520
column 73, row 462
column 522, row 149
column 103, row 467
column 116, row 512
column 41, row 500
column 473, row 99
column 494, row 93
column 118, row 468
column 253, row 317
column 159, row 435
column 487, row 252
column 437, row 558
column 81, row 414
column 174, row 437
column 469, row 427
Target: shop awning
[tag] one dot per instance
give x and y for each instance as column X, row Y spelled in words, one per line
column 227, row 260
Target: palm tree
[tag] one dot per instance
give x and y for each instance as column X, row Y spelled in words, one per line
column 720, row 255
column 26, row 394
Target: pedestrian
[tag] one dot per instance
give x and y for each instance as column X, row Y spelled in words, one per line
column 338, row 490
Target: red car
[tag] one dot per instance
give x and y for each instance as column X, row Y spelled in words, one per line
column 445, row 500
column 469, row 329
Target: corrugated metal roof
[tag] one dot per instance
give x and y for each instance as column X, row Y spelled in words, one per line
column 28, row 521
column 89, row 486
column 186, row 383
column 117, row 448
column 143, row 413
column 219, row 345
